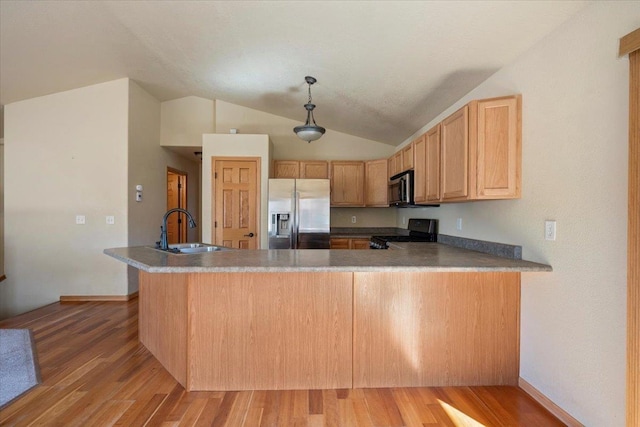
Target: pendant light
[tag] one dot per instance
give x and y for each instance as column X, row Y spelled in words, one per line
column 310, row 131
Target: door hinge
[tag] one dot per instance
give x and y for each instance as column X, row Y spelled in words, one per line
column 215, row 175
column 215, row 224
column 179, row 185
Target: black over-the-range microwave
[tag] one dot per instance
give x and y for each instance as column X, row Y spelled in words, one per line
column 401, row 190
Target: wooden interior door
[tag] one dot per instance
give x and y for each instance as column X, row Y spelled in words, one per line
column 237, row 202
column 176, row 198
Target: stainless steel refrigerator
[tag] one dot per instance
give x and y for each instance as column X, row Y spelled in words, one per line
column 299, row 214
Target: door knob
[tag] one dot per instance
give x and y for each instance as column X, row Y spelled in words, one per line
column 249, row 235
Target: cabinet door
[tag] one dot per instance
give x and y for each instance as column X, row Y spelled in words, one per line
column 360, row 244
column 455, row 155
column 420, row 169
column 376, row 183
column 432, row 143
column 499, row 148
column 286, row 169
column 339, row 243
column 314, row 169
column 390, row 166
column 347, row 183
column 397, row 163
column 407, row 157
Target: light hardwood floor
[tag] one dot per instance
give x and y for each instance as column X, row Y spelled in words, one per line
column 96, row 373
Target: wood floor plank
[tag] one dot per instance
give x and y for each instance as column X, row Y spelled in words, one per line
column 96, row 373
column 107, row 414
column 330, row 407
column 209, row 412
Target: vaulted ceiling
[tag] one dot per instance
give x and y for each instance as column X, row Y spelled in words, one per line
column 384, row 68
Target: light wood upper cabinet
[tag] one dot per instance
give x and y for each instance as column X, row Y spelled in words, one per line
column 317, row 169
column 455, row 155
column 498, row 148
column 376, row 183
column 432, row 151
column 395, row 164
column 347, row 183
column 310, row 169
column 407, row 157
column 426, row 166
column 481, row 150
column 286, row 169
column 420, row 169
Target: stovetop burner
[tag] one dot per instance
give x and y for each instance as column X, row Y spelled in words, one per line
column 420, row 230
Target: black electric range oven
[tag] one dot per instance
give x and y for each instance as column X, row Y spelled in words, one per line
column 420, row 230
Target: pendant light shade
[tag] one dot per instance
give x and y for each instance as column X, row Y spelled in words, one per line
column 310, row 131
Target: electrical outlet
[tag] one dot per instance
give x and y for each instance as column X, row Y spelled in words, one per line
column 353, row 219
column 111, row 219
column 80, row 219
column 550, row 230
column 459, row 224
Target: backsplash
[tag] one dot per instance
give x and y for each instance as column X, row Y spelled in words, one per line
column 365, row 217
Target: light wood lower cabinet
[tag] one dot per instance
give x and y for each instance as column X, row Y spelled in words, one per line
column 274, row 331
column 347, row 243
column 360, row 244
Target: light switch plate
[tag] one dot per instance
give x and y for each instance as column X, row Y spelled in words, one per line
column 550, row 230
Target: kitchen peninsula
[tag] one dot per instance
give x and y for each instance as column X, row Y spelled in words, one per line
column 426, row 314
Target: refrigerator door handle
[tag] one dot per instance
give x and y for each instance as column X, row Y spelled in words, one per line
column 294, row 222
column 296, row 219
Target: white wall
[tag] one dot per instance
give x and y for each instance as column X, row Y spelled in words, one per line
column 216, row 145
column 1, row 207
column 575, row 121
column 365, row 217
column 147, row 166
column 185, row 120
column 287, row 146
column 66, row 156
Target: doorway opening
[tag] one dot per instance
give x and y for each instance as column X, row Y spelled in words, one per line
column 176, row 198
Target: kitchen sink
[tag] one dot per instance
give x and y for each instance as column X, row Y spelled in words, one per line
column 180, row 246
column 200, row 249
column 192, row 248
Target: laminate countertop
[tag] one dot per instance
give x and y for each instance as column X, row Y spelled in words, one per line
column 409, row 257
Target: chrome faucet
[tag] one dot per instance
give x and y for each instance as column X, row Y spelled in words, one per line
column 164, row 244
